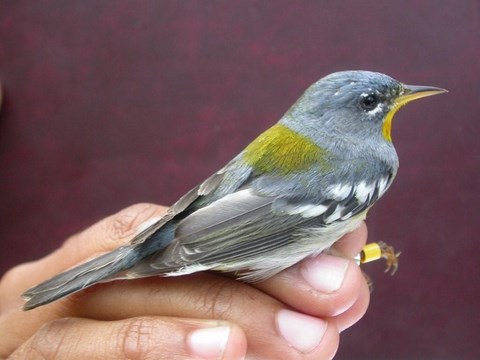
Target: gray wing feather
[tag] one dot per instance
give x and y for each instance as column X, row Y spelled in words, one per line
column 204, row 189
column 80, row 277
column 245, row 224
column 237, row 227
column 113, row 265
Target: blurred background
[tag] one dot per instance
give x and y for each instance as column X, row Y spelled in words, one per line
column 111, row 103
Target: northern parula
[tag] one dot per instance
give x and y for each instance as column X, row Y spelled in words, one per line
column 291, row 193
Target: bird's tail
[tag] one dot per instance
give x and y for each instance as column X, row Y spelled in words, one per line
column 101, row 268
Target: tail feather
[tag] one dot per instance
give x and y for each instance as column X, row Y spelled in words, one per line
column 101, row 268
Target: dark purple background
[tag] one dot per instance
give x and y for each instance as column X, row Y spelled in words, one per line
column 116, row 102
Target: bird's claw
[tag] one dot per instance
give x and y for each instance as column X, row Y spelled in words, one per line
column 390, row 256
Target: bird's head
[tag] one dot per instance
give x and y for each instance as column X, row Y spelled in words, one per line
column 355, row 105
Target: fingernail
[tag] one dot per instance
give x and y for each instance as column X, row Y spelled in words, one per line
column 325, row 273
column 303, row 332
column 208, row 343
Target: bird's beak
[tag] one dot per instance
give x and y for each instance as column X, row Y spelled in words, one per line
column 414, row 92
column 410, row 93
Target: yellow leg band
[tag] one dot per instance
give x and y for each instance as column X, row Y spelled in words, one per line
column 370, row 252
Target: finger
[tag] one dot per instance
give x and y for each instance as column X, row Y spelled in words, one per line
column 324, row 285
column 136, row 338
column 352, row 243
column 272, row 330
column 101, row 237
column 268, row 324
column 112, row 231
column 353, row 314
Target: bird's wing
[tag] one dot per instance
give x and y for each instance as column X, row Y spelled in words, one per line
column 245, row 224
column 203, row 189
column 236, row 227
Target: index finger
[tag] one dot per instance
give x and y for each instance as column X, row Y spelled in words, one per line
column 322, row 285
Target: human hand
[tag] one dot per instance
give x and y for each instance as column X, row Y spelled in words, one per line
column 297, row 314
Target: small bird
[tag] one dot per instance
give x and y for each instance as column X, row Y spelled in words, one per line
column 291, row 193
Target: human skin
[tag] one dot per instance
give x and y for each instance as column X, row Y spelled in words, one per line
column 297, row 314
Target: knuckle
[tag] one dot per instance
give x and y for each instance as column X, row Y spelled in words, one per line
column 27, row 353
column 219, row 298
column 110, row 232
column 135, row 338
column 124, row 224
column 46, row 342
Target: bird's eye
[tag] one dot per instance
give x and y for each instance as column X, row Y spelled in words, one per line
column 369, row 102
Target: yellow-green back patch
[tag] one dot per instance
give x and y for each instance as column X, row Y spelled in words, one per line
column 283, row 151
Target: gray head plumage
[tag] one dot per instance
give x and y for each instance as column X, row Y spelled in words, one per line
column 351, row 104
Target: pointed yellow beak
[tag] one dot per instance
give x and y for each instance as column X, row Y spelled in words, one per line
column 414, row 92
column 410, row 93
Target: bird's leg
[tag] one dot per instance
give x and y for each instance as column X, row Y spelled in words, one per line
column 375, row 251
column 372, row 252
column 369, row 281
